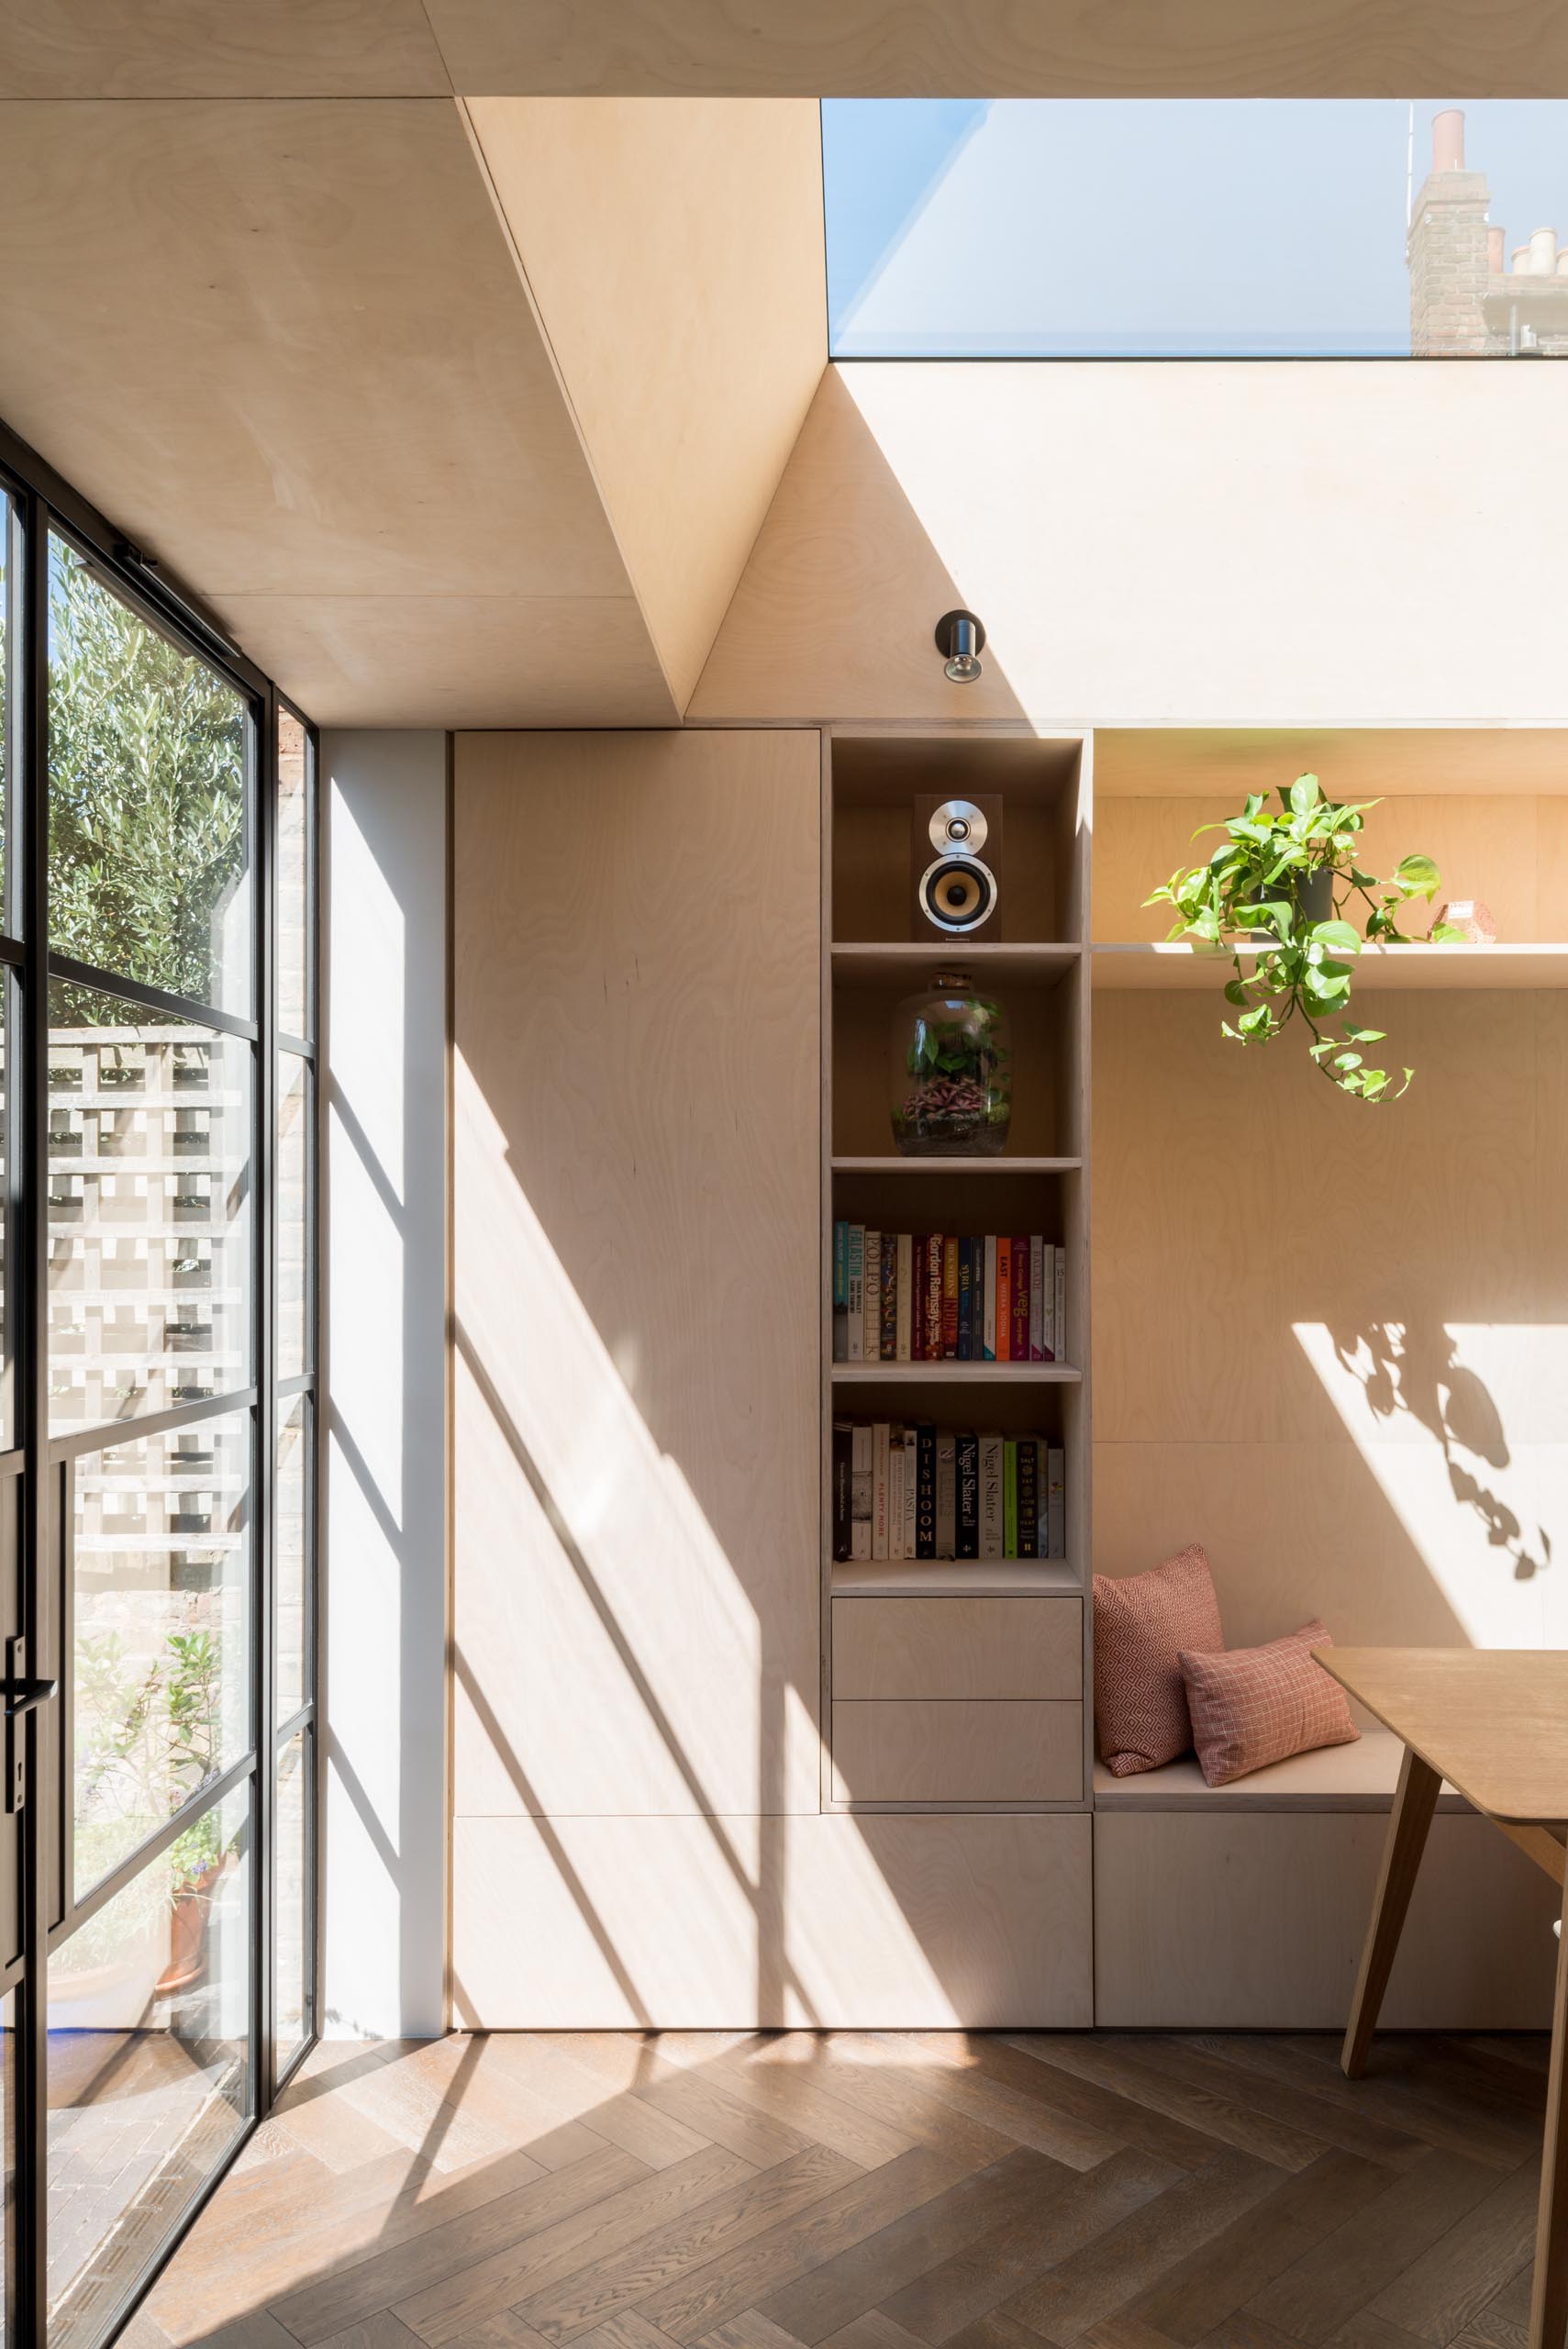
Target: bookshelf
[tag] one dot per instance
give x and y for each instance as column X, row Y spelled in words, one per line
column 1040, row 967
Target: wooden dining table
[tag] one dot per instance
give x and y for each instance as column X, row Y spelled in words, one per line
column 1494, row 1723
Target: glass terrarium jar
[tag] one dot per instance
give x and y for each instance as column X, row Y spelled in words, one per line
column 951, row 1069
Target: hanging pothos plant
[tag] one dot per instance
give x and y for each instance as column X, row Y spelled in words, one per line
column 1287, row 886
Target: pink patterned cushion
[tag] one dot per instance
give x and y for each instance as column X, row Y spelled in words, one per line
column 1141, row 1624
column 1261, row 1705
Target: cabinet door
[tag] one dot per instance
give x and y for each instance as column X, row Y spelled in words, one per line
column 637, row 1336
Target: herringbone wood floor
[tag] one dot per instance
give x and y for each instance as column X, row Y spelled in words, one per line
column 875, row 2191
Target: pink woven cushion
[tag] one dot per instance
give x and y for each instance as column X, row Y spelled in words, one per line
column 1141, row 1624
column 1259, row 1704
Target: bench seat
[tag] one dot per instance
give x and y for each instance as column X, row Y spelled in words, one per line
column 1361, row 1776
column 1245, row 1906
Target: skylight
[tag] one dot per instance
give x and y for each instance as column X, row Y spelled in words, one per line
column 1191, row 228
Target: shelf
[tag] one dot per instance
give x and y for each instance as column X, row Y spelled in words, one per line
column 1003, row 1165
column 1177, row 963
column 961, row 1578
column 955, row 1373
column 870, row 966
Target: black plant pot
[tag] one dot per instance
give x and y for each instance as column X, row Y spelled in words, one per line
column 1311, row 895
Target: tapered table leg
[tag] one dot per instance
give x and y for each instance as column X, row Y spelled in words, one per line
column 1412, row 1815
column 1549, row 2302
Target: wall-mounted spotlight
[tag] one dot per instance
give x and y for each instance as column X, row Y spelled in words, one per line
column 960, row 640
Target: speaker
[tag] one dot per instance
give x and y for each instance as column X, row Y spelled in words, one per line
column 956, row 868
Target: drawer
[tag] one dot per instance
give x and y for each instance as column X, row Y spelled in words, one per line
column 958, row 1647
column 957, row 1749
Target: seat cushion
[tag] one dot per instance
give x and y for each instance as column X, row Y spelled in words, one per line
column 1142, row 1622
column 1253, row 1706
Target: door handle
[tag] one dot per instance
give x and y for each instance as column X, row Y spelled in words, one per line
column 21, row 1696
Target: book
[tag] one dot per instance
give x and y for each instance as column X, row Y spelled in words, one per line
column 966, row 1542
column 991, row 1466
column 841, row 1292
column 888, row 1346
column 1048, row 1301
column 1010, row 1498
column 1059, row 1337
column 966, row 1301
column 917, row 1297
column 871, row 1249
column 860, row 1493
column 903, row 1275
column 925, row 1492
column 1028, row 1497
column 1037, row 1352
column 988, row 1299
column 895, row 1492
column 879, row 1476
column 855, row 1351
column 1055, row 1502
column 1004, row 1298
column 947, row 1493
column 1019, row 1340
column 934, row 1256
column 910, row 1483
column 843, row 1453
column 950, row 1296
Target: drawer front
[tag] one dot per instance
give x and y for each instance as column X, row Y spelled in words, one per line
column 958, row 1647
column 956, row 1750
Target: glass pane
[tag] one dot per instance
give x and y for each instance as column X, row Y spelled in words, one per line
column 290, row 1578
column 294, row 875
column 10, row 692
column 149, row 1210
column 147, row 2012
column 9, row 1012
column 1045, row 227
column 291, row 1905
column 296, row 1094
column 149, row 822
column 8, row 2156
column 161, row 1577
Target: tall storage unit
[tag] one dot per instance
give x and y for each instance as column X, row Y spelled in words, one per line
column 645, row 1829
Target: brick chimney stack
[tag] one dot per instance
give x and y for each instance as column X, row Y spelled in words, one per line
column 1446, row 250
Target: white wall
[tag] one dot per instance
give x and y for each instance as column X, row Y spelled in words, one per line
column 385, row 1265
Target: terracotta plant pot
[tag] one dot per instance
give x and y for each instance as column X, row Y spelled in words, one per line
column 187, row 1931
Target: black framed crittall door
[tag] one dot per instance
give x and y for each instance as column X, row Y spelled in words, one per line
column 158, row 953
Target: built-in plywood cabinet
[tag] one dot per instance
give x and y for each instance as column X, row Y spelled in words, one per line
column 708, row 1774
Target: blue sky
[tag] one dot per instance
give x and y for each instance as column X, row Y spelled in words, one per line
column 971, row 227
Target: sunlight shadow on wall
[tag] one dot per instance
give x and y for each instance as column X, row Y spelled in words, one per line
column 1420, row 1407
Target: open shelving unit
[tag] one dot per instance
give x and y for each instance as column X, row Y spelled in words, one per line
column 1038, row 965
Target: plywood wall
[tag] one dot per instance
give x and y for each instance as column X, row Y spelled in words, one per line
column 1332, row 1340
column 1204, row 545
column 1509, row 850
column 636, row 948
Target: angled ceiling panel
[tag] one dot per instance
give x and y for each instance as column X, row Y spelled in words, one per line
column 674, row 250
column 286, row 347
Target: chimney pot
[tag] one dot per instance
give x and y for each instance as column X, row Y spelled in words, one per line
column 1542, row 253
column 1496, row 263
column 1522, row 260
column 1448, row 139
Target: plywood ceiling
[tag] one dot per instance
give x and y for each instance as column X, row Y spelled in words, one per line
column 761, row 48
column 291, row 349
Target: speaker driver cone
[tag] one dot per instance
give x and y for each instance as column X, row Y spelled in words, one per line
column 958, row 893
